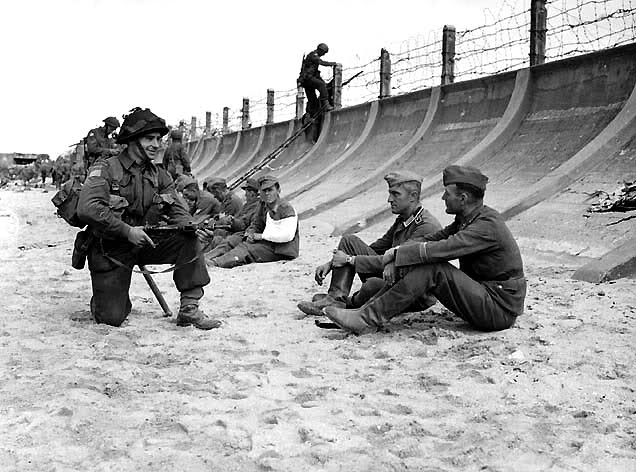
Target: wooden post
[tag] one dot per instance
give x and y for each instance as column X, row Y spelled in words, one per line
column 193, row 128
column 448, row 55
column 538, row 28
column 245, row 114
column 385, row 73
column 300, row 103
column 270, row 107
column 226, row 120
column 337, row 86
column 208, row 123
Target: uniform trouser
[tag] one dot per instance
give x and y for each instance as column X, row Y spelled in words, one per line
column 111, row 304
column 311, row 84
column 220, row 245
column 462, row 295
column 246, row 253
column 372, row 282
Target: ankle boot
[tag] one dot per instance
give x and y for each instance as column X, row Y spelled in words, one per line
column 314, row 308
column 376, row 312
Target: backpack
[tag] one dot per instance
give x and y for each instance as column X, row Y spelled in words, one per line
column 66, row 199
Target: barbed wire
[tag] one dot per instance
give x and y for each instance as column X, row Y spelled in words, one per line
column 500, row 44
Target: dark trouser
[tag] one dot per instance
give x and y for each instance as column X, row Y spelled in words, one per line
column 372, row 283
column 220, row 245
column 110, row 303
column 246, row 253
column 311, row 84
column 465, row 297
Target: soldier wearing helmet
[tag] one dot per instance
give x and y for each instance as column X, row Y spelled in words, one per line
column 120, row 240
column 311, row 80
column 175, row 159
column 99, row 142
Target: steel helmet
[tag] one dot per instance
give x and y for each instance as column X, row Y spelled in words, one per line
column 323, row 47
column 111, row 121
column 139, row 122
column 176, row 134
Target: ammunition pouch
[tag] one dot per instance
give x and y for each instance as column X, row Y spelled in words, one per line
column 83, row 241
column 66, row 201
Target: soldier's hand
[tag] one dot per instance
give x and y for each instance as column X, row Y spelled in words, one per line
column 389, row 256
column 204, row 235
column 321, row 272
column 139, row 238
column 390, row 273
column 339, row 258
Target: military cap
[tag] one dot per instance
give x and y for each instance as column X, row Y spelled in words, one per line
column 184, row 181
column 250, row 184
column 215, row 181
column 465, row 175
column 267, row 181
column 400, row 177
column 111, row 121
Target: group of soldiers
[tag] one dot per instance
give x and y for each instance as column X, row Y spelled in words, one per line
column 137, row 212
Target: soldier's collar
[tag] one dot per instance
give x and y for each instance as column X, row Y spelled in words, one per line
column 414, row 217
column 126, row 160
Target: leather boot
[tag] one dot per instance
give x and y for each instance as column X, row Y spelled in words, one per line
column 376, row 312
column 339, row 288
column 192, row 315
column 325, row 105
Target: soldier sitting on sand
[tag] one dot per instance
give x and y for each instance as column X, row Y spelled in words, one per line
column 353, row 256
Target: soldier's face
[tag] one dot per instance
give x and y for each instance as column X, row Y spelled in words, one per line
column 250, row 195
column 454, row 200
column 150, row 143
column 400, row 200
column 270, row 194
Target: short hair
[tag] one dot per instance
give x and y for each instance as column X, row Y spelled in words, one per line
column 475, row 193
column 412, row 186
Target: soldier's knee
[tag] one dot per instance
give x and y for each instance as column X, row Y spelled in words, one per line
column 348, row 241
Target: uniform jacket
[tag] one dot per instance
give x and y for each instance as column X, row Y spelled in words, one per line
column 207, row 206
column 486, row 250
column 231, row 204
column 244, row 218
column 310, row 66
column 147, row 188
column 288, row 250
column 413, row 229
column 176, row 154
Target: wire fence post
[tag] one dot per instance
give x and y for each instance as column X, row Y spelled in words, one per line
column 226, row 120
column 337, row 86
column 300, row 103
column 193, row 128
column 270, row 107
column 448, row 55
column 538, row 29
column 385, row 73
column 208, row 123
column 245, row 114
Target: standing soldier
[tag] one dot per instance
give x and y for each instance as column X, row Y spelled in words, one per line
column 311, row 80
column 121, row 241
column 175, row 159
column 100, row 143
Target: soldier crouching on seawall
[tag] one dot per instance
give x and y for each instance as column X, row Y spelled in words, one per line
column 121, row 243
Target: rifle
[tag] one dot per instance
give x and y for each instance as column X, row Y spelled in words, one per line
column 191, row 227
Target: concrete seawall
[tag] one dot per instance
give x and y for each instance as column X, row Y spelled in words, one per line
column 545, row 136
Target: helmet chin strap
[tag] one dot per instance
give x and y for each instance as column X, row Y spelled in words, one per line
column 140, row 151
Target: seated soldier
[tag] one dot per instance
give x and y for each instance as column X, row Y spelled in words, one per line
column 272, row 235
column 231, row 204
column 353, row 256
column 229, row 230
column 488, row 289
column 201, row 205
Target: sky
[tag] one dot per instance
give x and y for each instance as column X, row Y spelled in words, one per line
column 68, row 64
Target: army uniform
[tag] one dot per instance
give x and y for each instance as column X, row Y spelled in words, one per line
column 231, row 203
column 150, row 193
column 279, row 228
column 175, row 158
column 99, row 145
column 205, row 205
column 311, row 81
column 488, row 289
column 366, row 260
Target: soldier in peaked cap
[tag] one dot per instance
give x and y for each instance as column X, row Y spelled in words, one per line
column 231, row 204
column 201, row 205
column 488, row 289
column 120, row 240
column 229, row 229
column 271, row 236
column 353, row 256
